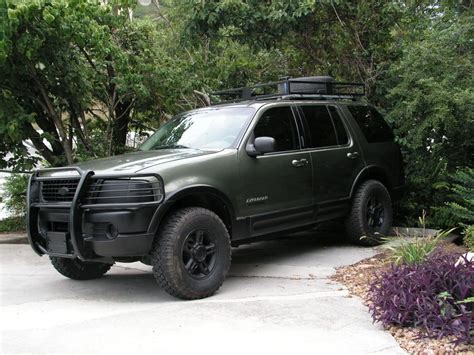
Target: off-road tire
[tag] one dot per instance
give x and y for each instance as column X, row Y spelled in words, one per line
column 357, row 228
column 79, row 270
column 167, row 260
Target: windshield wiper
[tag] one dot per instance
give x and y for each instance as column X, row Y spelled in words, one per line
column 172, row 146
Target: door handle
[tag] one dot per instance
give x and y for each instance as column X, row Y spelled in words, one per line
column 353, row 155
column 299, row 163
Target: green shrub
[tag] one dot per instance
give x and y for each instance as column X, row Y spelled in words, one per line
column 469, row 237
column 12, row 224
column 414, row 250
column 431, row 105
column 459, row 210
column 14, row 194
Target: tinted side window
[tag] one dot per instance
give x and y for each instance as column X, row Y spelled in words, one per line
column 321, row 129
column 278, row 123
column 341, row 132
column 372, row 124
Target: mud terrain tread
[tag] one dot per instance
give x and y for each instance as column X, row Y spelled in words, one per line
column 354, row 221
column 78, row 270
column 163, row 262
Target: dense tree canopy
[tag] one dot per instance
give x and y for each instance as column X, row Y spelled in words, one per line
column 431, row 103
column 77, row 75
column 346, row 39
column 62, row 63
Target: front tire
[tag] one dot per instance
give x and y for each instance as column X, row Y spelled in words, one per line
column 370, row 218
column 79, row 270
column 192, row 253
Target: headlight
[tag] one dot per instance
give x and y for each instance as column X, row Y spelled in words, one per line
column 124, row 190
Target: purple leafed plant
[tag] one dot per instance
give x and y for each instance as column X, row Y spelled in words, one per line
column 435, row 295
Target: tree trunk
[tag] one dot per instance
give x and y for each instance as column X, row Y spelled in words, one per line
column 120, row 128
column 55, row 117
column 48, row 127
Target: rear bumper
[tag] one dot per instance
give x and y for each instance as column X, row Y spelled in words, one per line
column 89, row 232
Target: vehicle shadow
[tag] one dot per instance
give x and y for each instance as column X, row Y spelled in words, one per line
column 289, row 245
column 135, row 282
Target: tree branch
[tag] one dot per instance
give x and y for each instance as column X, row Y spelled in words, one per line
column 38, row 143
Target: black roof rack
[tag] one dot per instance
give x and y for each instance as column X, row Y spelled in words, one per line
column 313, row 87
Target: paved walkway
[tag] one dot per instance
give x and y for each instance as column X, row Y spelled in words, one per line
column 277, row 300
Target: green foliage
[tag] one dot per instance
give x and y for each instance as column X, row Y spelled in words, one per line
column 460, row 208
column 41, row 72
column 410, row 250
column 14, row 194
column 349, row 40
column 432, row 105
column 11, row 134
column 466, row 300
column 413, row 250
column 468, row 237
column 65, row 64
column 77, row 75
column 12, row 224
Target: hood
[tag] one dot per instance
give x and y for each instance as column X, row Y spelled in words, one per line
column 136, row 161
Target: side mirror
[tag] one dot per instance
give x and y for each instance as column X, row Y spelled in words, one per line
column 261, row 145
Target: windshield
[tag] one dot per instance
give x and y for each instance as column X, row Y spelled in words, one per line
column 210, row 129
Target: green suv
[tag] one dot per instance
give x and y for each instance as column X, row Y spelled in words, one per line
column 262, row 163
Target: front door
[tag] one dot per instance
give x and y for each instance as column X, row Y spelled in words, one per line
column 276, row 187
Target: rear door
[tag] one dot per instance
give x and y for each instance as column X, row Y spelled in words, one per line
column 336, row 157
column 378, row 143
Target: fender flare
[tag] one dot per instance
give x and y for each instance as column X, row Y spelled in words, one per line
column 373, row 172
column 170, row 200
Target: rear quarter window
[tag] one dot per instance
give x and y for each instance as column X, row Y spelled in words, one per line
column 371, row 123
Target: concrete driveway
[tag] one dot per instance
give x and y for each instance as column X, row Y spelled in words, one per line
column 277, row 299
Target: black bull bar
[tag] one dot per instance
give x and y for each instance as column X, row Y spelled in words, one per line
column 75, row 207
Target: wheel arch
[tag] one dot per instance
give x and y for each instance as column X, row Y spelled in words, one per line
column 204, row 196
column 372, row 172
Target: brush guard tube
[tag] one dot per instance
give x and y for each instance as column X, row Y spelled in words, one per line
column 74, row 237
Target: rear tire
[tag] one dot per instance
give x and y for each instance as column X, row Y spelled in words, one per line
column 79, row 270
column 370, row 218
column 192, row 254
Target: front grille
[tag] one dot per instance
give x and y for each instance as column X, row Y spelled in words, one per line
column 103, row 191
column 58, row 190
column 122, row 191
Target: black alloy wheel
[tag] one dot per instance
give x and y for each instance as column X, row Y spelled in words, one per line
column 375, row 213
column 199, row 254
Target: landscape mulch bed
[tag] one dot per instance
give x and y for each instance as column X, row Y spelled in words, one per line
column 357, row 277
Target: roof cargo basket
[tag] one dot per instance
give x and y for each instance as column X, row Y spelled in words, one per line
column 311, row 87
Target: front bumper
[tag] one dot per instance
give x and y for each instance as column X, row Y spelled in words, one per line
column 94, row 232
